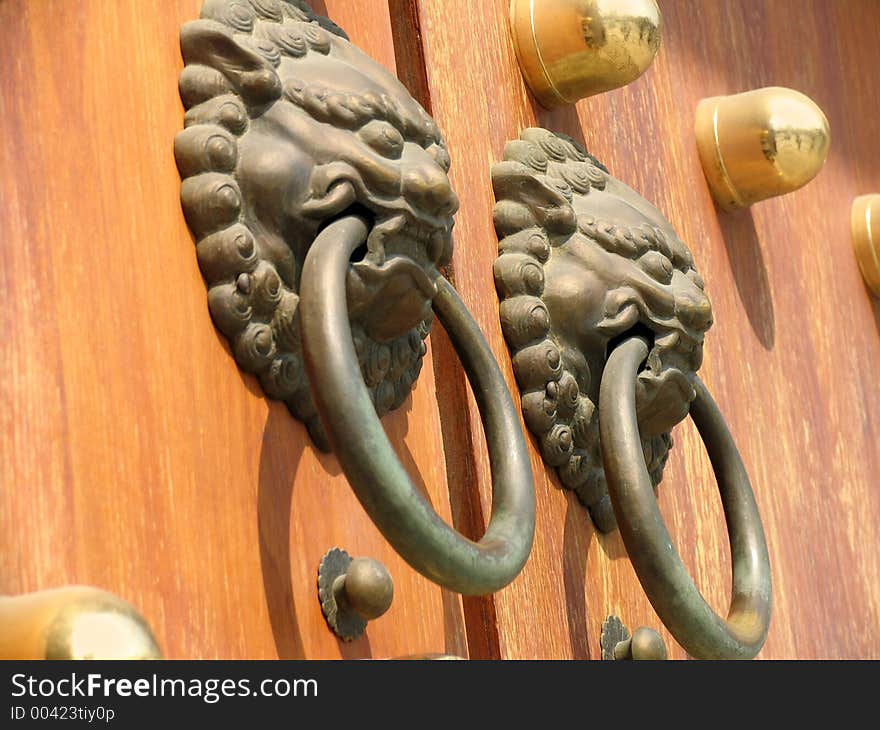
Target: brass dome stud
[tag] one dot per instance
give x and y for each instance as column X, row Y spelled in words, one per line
column 570, row 50
column 74, row 622
column 865, row 222
column 760, row 144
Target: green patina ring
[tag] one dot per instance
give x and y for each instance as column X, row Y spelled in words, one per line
column 378, row 479
column 672, row 592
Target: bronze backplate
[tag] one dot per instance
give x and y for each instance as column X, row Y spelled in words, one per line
column 585, row 261
column 289, row 127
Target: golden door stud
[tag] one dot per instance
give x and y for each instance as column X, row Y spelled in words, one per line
column 865, row 221
column 74, row 622
column 760, row 144
column 571, row 49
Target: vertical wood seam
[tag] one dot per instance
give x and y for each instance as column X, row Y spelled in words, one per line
column 452, row 397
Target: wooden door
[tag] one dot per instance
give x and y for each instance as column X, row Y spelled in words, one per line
column 135, row 456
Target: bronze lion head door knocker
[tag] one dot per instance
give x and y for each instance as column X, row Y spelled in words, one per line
column 604, row 313
column 316, row 189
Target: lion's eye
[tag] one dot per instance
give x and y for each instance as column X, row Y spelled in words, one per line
column 657, row 266
column 384, row 138
column 440, row 156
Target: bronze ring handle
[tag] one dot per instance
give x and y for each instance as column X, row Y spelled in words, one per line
column 377, row 477
column 672, row 592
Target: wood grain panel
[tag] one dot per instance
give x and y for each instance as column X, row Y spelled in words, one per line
column 792, row 358
column 134, row 456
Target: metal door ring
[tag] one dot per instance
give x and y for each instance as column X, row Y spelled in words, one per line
column 669, row 587
column 396, row 506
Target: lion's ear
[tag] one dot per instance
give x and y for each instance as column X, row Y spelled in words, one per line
column 209, row 45
column 527, row 199
column 513, row 180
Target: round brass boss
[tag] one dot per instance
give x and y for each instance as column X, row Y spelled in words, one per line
column 760, row 144
column 571, row 49
column 865, row 221
column 73, row 622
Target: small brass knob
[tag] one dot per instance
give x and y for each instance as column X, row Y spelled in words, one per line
column 366, row 588
column 760, row 144
column 352, row 592
column 618, row 645
column 570, row 49
column 75, row 622
column 865, row 221
column 645, row 644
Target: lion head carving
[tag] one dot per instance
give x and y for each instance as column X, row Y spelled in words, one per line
column 288, row 127
column 584, row 260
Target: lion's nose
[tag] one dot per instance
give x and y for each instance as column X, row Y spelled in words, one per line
column 693, row 310
column 427, row 188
